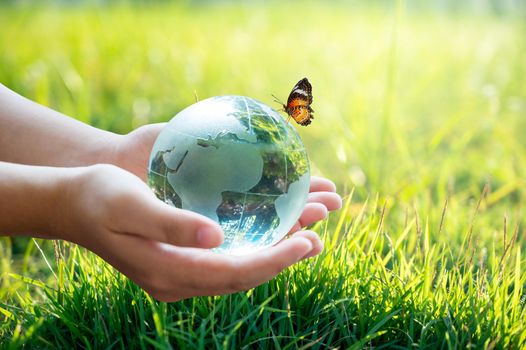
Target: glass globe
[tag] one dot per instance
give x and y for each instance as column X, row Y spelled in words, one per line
column 238, row 162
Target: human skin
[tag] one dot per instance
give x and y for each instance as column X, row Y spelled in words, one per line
column 62, row 179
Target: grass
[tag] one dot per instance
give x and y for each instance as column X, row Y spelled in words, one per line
column 419, row 120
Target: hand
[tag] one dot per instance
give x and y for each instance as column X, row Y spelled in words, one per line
column 114, row 214
column 132, row 151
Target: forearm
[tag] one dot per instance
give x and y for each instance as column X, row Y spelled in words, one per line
column 32, row 199
column 34, row 134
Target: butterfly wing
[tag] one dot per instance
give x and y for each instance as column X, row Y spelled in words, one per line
column 298, row 103
column 302, row 91
column 302, row 115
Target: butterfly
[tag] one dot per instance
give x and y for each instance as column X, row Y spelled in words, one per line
column 298, row 103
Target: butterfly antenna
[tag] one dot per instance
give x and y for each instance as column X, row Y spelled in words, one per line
column 277, row 100
column 196, row 97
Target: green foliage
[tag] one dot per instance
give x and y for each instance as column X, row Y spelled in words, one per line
column 419, row 118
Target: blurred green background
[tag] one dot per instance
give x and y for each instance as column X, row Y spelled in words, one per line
column 405, row 98
column 413, row 100
column 419, row 104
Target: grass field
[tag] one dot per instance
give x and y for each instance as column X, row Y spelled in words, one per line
column 420, row 120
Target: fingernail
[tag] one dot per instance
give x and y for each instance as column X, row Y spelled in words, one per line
column 208, row 237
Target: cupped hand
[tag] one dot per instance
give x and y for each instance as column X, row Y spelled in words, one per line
column 114, row 214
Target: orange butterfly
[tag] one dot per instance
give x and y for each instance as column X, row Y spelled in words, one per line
column 298, row 103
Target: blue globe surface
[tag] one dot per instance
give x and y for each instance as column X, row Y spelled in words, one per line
column 236, row 161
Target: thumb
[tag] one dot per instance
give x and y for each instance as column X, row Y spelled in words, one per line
column 148, row 132
column 164, row 223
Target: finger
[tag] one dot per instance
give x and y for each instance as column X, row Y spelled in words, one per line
column 297, row 226
column 153, row 130
column 229, row 274
column 321, row 184
column 311, row 213
column 185, row 228
column 264, row 265
column 150, row 131
column 317, row 244
column 164, row 223
column 331, row 200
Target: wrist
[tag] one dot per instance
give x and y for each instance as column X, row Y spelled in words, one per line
column 101, row 150
column 33, row 199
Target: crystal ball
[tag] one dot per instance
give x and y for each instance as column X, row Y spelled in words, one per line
column 238, row 162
